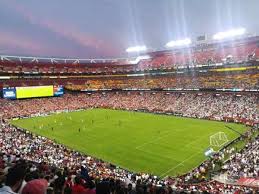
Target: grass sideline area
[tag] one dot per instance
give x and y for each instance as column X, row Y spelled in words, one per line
column 140, row 142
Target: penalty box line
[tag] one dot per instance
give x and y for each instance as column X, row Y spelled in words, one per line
column 152, row 141
column 180, row 164
column 157, row 155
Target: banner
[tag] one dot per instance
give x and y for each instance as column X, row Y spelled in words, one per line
column 251, row 182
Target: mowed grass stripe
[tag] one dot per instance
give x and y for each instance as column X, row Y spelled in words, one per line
column 140, row 142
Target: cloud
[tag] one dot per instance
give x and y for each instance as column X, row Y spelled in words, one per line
column 68, row 31
column 11, row 43
column 18, row 42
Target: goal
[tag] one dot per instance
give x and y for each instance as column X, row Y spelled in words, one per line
column 218, row 139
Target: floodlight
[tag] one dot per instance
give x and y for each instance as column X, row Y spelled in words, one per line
column 136, row 49
column 182, row 42
column 229, row 33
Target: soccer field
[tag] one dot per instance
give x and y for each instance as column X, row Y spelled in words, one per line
column 140, row 142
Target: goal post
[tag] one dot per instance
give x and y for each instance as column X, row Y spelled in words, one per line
column 218, row 139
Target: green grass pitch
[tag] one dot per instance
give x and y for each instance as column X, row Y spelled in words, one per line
column 140, row 142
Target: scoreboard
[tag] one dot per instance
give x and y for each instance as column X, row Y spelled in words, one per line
column 32, row 92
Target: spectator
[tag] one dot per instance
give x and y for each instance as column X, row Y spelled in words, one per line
column 14, row 179
column 36, row 186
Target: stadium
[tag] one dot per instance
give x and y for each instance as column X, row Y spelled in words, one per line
column 179, row 119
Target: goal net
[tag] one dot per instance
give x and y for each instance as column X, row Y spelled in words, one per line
column 218, row 139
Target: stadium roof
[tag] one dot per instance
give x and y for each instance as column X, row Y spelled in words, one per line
column 129, row 60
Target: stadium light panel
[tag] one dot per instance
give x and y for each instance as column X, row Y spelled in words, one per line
column 139, row 58
column 136, row 49
column 175, row 43
column 229, row 33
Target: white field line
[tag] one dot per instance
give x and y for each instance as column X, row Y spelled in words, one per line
column 172, row 158
column 152, row 141
column 152, row 153
column 162, row 175
column 197, row 140
column 181, row 163
column 187, row 158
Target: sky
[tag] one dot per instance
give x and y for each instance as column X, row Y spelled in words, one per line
column 105, row 28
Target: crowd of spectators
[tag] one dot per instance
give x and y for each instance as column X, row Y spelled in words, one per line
column 28, row 161
column 245, row 163
column 211, row 80
column 222, row 106
column 214, row 80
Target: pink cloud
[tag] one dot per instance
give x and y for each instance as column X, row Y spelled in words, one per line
column 67, row 31
column 11, row 42
column 19, row 42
